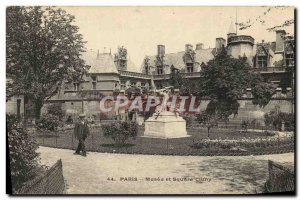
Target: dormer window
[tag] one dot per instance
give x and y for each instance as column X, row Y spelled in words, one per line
column 94, row 82
column 190, row 67
column 76, row 86
column 159, row 69
column 146, row 70
column 289, row 60
column 262, row 62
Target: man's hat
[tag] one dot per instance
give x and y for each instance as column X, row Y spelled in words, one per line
column 82, row 115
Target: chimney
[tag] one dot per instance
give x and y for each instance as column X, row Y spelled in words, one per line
column 199, row 46
column 98, row 54
column 220, row 42
column 160, row 50
column 248, row 92
column 279, row 41
column 188, row 47
column 289, row 92
column 278, row 92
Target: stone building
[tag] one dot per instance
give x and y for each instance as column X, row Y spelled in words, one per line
column 110, row 73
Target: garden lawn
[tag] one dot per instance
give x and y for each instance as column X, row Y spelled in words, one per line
column 142, row 145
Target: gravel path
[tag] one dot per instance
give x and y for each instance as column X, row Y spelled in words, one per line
column 181, row 174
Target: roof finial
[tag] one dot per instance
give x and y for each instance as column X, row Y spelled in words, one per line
column 231, row 27
column 236, row 24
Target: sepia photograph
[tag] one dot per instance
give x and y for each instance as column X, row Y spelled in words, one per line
column 150, row 100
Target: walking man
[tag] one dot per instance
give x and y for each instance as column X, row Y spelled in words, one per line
column 81, row 132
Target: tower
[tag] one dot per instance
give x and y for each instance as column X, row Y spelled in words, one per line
column 239, row 45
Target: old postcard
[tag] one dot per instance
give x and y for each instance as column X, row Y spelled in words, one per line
column 150, row 100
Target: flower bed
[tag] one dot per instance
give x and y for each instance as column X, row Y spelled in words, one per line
column 253, row 146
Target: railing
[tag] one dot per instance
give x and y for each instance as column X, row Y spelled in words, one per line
column 51, row 182
column 161, row 76
column 157, row 76
column 270, row 69
column 191, row 74
column 241, row 38
column 281, row 178
column 134, row 74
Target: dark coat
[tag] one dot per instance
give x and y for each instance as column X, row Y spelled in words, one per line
column 81, row 131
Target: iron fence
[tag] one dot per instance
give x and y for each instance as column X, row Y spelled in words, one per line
column 281, row 178
column 50, row 182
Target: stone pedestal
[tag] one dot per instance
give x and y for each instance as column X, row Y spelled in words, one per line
column 165, row 125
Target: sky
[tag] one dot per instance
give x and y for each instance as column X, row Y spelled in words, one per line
column 141, row 29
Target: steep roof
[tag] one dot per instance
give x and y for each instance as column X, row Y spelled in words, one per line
column 268, row 48
column 100, row 63
column 131, row 66
column 176, row 59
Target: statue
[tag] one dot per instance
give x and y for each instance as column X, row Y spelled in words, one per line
column 165, row 92
column 164, row 123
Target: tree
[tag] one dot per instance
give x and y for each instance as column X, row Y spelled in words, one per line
column 176, row 79
column 43, row 49
column 185, row 86
column 208, row 120
column 225, row 80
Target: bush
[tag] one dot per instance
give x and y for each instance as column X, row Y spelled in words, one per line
column 269, row 133
column 48, row 122
column 245, row 124
column 56, row 110
column 276, row 117
column 22, row 153
column 189, row 119
column 120, row 131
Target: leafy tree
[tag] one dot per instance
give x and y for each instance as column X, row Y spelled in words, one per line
column 176, row 78
column 43, row 49
column 208, row 120
column 22, row 153
column 185, row 86
column 225, row 79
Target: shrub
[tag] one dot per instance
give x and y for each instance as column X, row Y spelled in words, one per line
column 120, row 131
column 245, row 124
column 189, row 119
column 276, row 117
column 22, row 153
column 269, row 133
column 254, row 123
column 56, row 110
column 48, row 122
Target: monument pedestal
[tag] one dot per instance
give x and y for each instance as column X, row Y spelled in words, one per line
column 165, row 125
